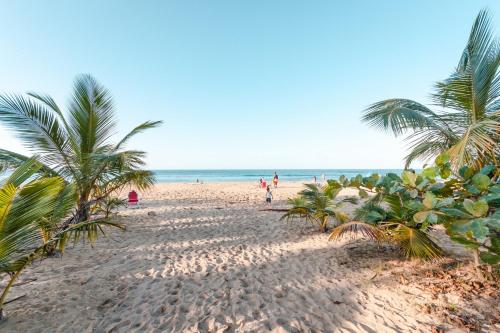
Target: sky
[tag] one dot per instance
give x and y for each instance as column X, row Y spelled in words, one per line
column 240, row 84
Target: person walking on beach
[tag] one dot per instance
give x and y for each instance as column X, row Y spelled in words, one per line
column 269, row 195
column 275, row 180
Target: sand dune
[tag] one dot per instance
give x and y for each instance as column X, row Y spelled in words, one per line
column 207, row 260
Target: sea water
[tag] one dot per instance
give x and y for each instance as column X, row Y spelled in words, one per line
column 253, row 175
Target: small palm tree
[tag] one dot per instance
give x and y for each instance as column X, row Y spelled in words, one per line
column 393, row 223
column 468, row 126
column 30, row 210
column 316, row 205
column 76, row 146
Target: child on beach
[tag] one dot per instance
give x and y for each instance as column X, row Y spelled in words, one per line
column 275, row 180
column 269, row 195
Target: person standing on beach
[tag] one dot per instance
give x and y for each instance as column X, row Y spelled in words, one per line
column 275, row 180
column 269, row 195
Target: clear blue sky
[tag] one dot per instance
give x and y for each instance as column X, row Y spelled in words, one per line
column 241, row 84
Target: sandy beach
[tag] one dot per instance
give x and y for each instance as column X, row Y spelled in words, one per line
column 205, row 258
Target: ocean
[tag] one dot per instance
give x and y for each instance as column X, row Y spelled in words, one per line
column 253, row 175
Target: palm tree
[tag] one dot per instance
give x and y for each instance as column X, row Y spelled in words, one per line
column 392, row 222
column 468, row 125
column 30, row 210
column 316, row 205
column 76, row 146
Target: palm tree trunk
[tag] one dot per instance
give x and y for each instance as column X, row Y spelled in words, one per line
column 83, row 209
column 324, row 224
column 6, row 290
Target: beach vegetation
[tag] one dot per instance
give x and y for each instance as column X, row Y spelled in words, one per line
column 404, row 209
column 465, row 118
column 32, row 207
column 315, row 204
column 76, row 146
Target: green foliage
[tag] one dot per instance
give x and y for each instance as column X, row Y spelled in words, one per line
column 315, row 204
column 407, row 208
column 108, row 205
column 31, row 209
column 76, row 146
column 467, row 125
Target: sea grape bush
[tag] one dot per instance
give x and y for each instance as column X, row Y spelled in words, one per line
column 410, row 204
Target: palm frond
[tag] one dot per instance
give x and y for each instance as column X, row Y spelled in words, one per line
column 91, row 114
column 398, row 115
column 139, row 129
column 37, row 127
column 355, row 228
column 468, row 125
column 414, row 242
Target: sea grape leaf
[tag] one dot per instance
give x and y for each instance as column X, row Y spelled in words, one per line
column 479, row 229
column 455, row 213
column 478, row 208
column 409, row 178
column 493, row 222
column 495, row 188
column 445, row 202
column 442, row 159
column 436, row 187
column 445, row 173
column 420, row 217
column 423, row 184
column 413, row 193
column 487, row 169
column 432, row 218
column 466, row 172
column 493, row 199
column 429, row 173
column 489, row 258
column 481, row 181
column 472, row 189
column 430, row 200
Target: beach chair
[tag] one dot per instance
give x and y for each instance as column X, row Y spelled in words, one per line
column 133, row 198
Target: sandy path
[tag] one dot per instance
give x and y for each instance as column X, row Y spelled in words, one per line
column 210, row 261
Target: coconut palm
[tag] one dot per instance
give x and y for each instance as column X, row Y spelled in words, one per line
column 467, row 124
column 76, row 146
column 316, row 205
column 391, row 222
column 30, row 209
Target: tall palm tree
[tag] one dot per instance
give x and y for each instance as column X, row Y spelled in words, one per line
column 30, row 209
column 76, row 146
column 468, row 123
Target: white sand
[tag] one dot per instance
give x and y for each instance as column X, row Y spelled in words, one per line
column 210, row 261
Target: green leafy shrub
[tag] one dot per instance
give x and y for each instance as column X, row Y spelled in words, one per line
column 407, row 207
